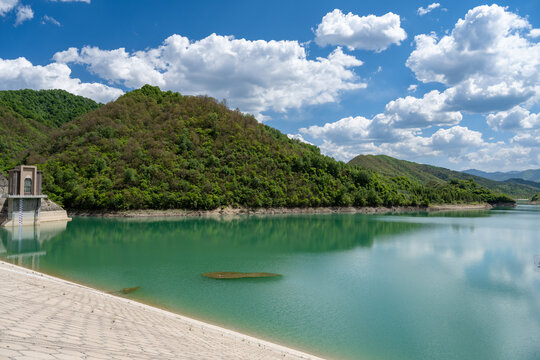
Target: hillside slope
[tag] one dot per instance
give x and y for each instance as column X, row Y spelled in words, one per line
column 28, row 117
column 159, row 150
column 529, row 175
column 428, row 174
column 51, row 108
column 17, row 135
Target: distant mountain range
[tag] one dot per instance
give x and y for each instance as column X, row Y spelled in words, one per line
column 529, row 175
column 427, row 174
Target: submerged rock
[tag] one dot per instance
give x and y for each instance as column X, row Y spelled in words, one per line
column 237, row 275
column 130, row 290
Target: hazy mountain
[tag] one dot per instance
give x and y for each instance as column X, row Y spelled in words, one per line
column 529, row 175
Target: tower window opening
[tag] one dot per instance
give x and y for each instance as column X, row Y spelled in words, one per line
column 27, row 186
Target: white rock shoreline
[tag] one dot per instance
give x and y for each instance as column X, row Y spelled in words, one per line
column 230, row 211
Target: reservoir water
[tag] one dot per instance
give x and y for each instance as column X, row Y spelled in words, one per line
column 456, row 285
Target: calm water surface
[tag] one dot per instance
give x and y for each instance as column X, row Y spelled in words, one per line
column 410, row 286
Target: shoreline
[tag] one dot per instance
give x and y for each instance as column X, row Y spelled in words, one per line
column 102, row 314
column 230, row 211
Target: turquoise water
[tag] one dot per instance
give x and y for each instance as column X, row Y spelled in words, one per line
column 409, row 286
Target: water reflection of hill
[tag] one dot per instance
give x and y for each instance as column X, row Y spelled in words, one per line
column 276, row 234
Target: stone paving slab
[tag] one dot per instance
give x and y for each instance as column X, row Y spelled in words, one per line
column 42, row 317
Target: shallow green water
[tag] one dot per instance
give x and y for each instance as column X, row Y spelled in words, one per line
column 409, row 286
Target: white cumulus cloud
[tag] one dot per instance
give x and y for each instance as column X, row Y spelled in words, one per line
column 412, row 87
column 7, row 5
column 530, row 139
column 409, row 114
column 423, row 11
column 431, row 109
column 24, row 13
column 534, row 33
column 514, row 119
column 49, row 19
column 488, row 64
column 351, row 136
column 22, row 74
column 500, row 156
column 131, row 70
column 475, row 97
column 348, row 130
column 456, row 139
column 487, row 61
column 395, row 132
column 298, row 137
column 255, row 76
column 359, row 131
column 367, row 32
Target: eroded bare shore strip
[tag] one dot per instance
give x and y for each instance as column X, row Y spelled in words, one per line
column 228, row 211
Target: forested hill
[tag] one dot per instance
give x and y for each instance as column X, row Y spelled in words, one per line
column 427, row 174
column 28, row 117
column 160, row 150
column 48, row 107
column 16, row 136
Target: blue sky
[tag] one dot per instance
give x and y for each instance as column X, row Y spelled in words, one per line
column 454, row 84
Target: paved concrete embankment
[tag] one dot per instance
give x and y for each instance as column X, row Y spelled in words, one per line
column 42, row 317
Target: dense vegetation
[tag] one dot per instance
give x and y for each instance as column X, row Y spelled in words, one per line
column 153, row 149
column 535, row 197
column 17, row 135
column 433, row 175
column 160, row 150
column 28, row 117
column 49, row 107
